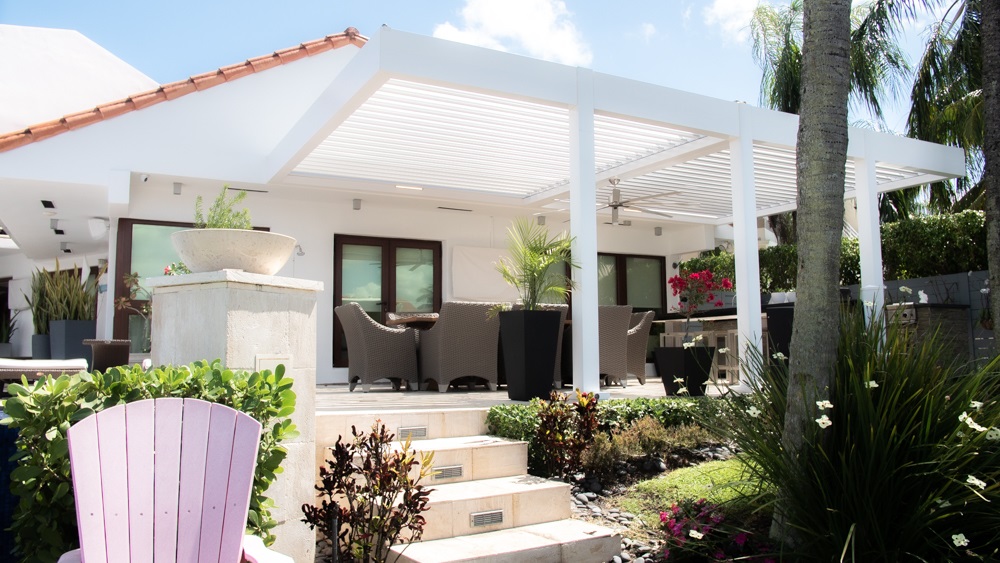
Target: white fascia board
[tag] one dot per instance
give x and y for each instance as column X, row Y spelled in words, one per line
column 418, row 58
column 771, row 127
column 914, row 154
column 361, row 78
column 649, row 103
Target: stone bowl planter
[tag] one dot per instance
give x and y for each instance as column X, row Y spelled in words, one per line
column 256, row 252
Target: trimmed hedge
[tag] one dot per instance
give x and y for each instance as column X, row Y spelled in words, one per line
column 45, row 520
column 920, row 247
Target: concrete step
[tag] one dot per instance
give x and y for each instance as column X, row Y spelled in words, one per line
column 475, row 507
column 567, row 541
column 418, row 424
column 468, row 458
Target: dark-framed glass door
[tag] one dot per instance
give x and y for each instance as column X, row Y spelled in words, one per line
column 384, row 275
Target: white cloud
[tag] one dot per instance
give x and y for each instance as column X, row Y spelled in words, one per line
column 539, row 28
column 731, row 16
column 647, row 31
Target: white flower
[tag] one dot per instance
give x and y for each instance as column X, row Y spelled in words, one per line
column 906, row 290
column 754, row 412
column 698, row 535
column 871, row 384
column 985, row 291
column 922, row 295
column 942, row 503
column 682, row 391
column 723, row 350
column 993, row 434
column 964, row 417
column 976, row 405
column 869, row 304
column 687, row 345
column 678, row 380
column 824, row 421
column 977, row 482
column 698, row 338
column 778, row 356
column 823, row 405
column 959, row 540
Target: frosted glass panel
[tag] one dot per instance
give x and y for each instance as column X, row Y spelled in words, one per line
column 643, row 282
column 607, row 281
column 152, row 250
column 414, row 280
column 362, row 278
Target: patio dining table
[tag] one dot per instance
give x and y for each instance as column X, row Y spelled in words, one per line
column 419, row 321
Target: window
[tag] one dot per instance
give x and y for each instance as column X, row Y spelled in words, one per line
column 384, row 275
column 143, row 247
column 627, row 279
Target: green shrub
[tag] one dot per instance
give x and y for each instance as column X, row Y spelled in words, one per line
column 935, row 244
column 619, row 414
column 370, row 495
column 45, row 519
column 601, row 457
column 903, row 464
column 646, row 437
column 518, row 422
column 222, row 214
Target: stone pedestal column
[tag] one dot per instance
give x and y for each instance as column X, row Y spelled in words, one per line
column 252, row 322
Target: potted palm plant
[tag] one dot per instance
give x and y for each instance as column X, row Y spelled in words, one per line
column 38, row 303
column 529, row 335
column 226, row 239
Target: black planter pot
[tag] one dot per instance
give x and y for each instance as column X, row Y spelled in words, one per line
column 108, row 353
column 779, row 328
column 529, row 352
column 41, row 348
column 67, row 339
column 692, row 365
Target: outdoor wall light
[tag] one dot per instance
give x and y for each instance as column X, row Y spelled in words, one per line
column 541, row 220
column 299, row 251
column 54, row 224
column 357, row 205
column 658, row 231
column 177, row 188
column 64, row 246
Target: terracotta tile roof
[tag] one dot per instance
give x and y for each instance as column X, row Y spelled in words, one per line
column 174, row 90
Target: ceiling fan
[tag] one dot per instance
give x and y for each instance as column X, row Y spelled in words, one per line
column 615, row 202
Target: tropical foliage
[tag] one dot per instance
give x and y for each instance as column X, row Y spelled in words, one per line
column 535, row 267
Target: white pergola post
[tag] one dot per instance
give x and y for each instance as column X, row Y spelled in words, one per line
column 119, row 193
column 869, row 235
column 748, row 323
column 583, row 227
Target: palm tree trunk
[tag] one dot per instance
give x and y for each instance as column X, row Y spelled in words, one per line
column 991, row 146
column 822, row 154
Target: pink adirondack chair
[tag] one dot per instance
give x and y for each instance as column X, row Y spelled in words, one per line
column 165, row 480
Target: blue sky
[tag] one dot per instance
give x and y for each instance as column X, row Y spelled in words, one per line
column 694, row 45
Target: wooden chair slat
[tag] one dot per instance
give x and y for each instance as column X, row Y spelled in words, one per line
column 139, row 452
column 85, row 460
column 241, row 473
column 194, row 450
column 166, row 474
column 114, row 481
column 220, row 454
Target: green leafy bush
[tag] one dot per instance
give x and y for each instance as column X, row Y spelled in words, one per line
column 620, row 414
column 934, row 245
column 222, row 214
column 45, row 520
column 646, row 437
column 518, row 422
column 370, row 495
column 902, row 463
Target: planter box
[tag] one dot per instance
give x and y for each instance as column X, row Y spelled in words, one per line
column 529, row 352
column 67, row 339
column 108, row 353
column 6, row 350
column 41, row 347
column 693, row 365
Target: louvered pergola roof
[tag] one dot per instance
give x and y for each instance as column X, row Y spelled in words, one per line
column 421, row 112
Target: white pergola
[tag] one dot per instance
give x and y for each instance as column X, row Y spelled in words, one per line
column 463, row 122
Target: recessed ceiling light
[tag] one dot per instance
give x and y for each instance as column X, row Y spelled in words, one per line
column 48, row 204
column 453, row 209
column 415, row 188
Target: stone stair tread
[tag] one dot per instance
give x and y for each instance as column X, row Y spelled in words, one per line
column 493, row 487
column 569, row 540
column 458, row 443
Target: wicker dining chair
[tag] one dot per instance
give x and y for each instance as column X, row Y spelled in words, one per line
column 462, row 343
column 638, row 338
column 376, row 351
column 613, row 322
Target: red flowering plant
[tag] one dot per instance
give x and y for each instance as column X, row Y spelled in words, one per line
column 696, row 289
column 697, row 530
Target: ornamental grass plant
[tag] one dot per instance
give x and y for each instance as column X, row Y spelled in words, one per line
column 903, row 461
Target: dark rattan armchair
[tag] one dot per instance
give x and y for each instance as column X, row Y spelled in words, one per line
column 376, row 351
